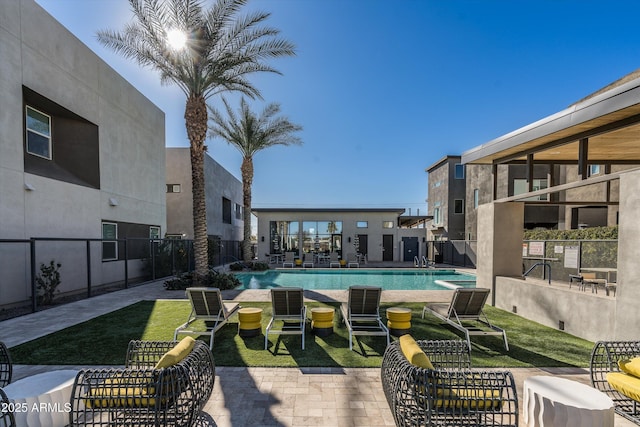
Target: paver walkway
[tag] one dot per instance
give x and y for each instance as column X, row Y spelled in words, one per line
column 286, row 397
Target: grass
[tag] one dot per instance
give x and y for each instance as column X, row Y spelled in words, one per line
column 103, row 341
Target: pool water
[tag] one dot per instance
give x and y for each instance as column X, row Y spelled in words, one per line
column 414, row 280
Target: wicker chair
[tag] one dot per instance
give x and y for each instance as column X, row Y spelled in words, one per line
column 6, row 417
column 452, row 394
column 141, row 395
column 6, row 367
column 604, row 359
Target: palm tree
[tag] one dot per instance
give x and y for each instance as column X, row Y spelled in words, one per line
column 221, row 50
column 250, row 133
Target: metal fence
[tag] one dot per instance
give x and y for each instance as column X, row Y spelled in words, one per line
column 93, row 266
column 462, row 253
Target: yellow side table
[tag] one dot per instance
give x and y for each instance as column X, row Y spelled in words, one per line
column 322, row 321
column 249, row 321
column 398, row 320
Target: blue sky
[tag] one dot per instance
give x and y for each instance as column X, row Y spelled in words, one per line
column 385, row 88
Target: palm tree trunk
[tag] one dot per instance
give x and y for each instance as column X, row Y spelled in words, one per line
column 247, row 180
column 195, row 116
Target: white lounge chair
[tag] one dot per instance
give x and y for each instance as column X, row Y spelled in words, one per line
column 287, row 307
column 308, row 260
column 466, row 306
column 361, row 313
column 207, row 305
column 289, row 259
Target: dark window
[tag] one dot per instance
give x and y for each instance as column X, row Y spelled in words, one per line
column 173, row 188
column 238, row 211
column 109, row 248
column 458, row 206
column 58, row 143
column 459, row 171
column 226, row 211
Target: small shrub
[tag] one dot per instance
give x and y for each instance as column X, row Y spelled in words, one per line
column 236, row 266
column 222, row 281
column 47, row 282
column 260, row 266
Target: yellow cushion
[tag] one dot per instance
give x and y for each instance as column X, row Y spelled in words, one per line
column 111, row 395
column 460, row 398
column 177, row 353
column 630, row 366
column 625, row 384
column 414, row 353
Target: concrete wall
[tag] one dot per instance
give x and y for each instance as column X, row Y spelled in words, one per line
column 549, row 305
column 628, row 292
column 219, row 183
column 56, row 65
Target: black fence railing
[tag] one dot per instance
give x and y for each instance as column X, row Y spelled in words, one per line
column 462, row 253
column 89, row 267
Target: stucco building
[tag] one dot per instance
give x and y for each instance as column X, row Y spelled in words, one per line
column 81, row 155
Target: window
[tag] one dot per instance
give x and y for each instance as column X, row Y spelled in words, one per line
column 520, row 186
column 226, row 211
column 362, row 224
column 38, row 133
column 109, row 248
column 387, row 224
column 594, row 170
column 436, row 216
column 173, row 188
column 459, row 174
column 458, row 206
column 437, row 184
column 238, row 210
column 154, row 232
column 476, row 198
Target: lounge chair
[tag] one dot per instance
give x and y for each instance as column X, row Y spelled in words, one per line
column 6, row 367
column 207, row 305
column 353, row 261
column 287, row 307
column 466, row 306
column 308, row 260
column 361, row 313
column 289, row 259
column 334, row 261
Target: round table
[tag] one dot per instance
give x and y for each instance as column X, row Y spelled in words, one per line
column 249, row 321
column 42, row 399
column 322, row 321
column 551, row 401
column 399, row 320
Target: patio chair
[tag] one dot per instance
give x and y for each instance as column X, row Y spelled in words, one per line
column 207, row 305
column 466, row 306
column 361, row 313
column 289, row 259
column 353, row 261
column 287, row 307
column 6, row 367
column 308, row 259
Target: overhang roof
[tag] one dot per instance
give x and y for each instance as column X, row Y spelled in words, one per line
column 610, row 119
column 399, row 211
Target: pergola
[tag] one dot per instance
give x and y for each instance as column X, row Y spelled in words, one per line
column 601, row 129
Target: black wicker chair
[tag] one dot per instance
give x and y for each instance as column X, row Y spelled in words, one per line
column 604, row 359
column 452, row 394
column 6, row 367
column 141, row 395
column 6, row 416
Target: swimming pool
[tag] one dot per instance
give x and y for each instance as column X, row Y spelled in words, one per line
column 424, row 280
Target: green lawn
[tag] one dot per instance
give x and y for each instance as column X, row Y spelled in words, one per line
column 103, row 341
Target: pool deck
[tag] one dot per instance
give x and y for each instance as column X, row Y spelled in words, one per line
column 282, row 397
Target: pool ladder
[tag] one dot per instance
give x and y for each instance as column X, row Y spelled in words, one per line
column 420, row 263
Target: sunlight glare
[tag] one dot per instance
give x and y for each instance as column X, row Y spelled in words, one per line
column 177, row 39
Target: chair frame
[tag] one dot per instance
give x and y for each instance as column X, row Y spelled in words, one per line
column 604, row 359
column 290, row 312
column 214, row 310
column 361, row 314
column 415, row 394
column 466, row 306
column 334, row 260
column 6, row 366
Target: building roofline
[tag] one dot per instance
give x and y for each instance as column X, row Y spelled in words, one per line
column 266, row 210
column 442, row 161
